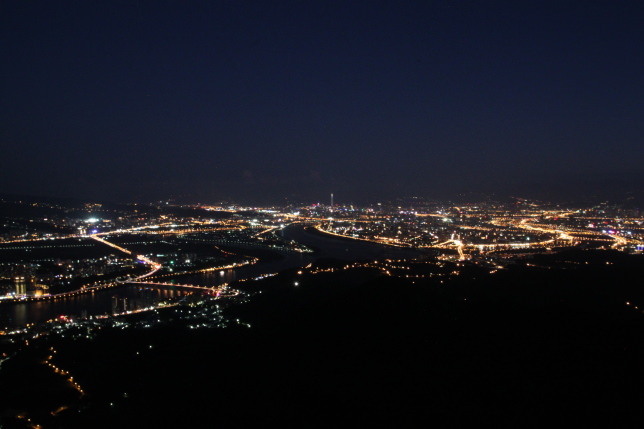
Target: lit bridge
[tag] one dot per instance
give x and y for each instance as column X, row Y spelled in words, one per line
column 212, row 290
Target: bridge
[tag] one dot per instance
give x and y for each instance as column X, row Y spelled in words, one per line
column 211, row 290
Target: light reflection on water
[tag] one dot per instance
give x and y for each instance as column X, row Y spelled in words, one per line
column 101, row 302
column 128, row 297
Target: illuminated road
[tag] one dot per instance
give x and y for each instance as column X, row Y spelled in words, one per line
column 378, row 240
column 562, row 233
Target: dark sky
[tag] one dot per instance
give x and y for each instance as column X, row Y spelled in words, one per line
column 272, row 99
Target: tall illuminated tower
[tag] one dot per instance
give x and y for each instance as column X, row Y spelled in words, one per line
column 21, row 285
column 331, row 201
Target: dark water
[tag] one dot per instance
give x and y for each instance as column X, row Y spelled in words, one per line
column 128, row 297
column 346, row 249
column 214, row 278
column 101, row 302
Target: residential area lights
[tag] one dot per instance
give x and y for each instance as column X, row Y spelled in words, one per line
column 479, row 232
column 454, row 232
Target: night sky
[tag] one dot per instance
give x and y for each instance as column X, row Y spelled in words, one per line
column 267, row 100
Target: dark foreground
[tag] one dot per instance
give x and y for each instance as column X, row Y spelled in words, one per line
column 521, row 348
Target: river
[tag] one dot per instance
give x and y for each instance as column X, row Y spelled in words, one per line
column 131, row 296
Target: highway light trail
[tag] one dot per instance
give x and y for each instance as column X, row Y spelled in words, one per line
column 155, row 265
